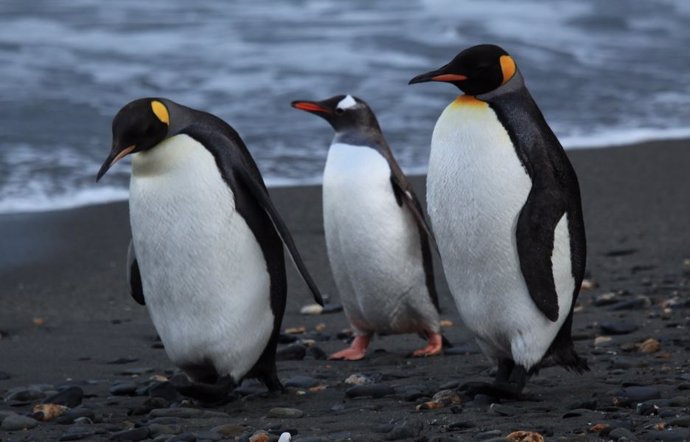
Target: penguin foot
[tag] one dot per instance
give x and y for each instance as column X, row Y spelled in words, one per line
column 434, row 346
column 356, row 351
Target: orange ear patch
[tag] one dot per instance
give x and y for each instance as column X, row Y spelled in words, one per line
column 161, row 111
column 508, row 67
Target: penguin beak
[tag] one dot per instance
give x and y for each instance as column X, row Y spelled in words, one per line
column 116, row 154
column 311, row 106
column 438, row 75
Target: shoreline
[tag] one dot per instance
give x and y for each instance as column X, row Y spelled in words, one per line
column 66, row 318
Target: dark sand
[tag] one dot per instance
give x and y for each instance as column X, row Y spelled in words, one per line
column 65, row 313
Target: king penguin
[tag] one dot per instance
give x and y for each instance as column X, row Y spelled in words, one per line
column 206, row 256
column 377, row 240
column 504, row 202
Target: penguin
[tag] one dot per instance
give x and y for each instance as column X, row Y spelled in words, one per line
column 206, row 255
column 504, row 203
column 377, row 240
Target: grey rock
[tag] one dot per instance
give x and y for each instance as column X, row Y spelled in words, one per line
column 369, row 390
column 672, row 435
column 77, row 433
column 207, row 435
column 125, row 388
column 683, row 421
column 75, row 413
column 301, row 381
column 135, row 434
column 121, row 361
column 24, row 395
column 502, row 410
column 158, row 429
column 17, row 422
column 69, row 397
column 231, row 430
column 621, row 434
column 5, row 413
column 405, row 430
column 640, row 393
column 285, row 412
column 137, row 371
column 679, row 401
column 488, row 434
column 182, row 412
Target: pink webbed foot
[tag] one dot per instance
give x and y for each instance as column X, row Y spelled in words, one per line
column 356, row 351
column 434, row 346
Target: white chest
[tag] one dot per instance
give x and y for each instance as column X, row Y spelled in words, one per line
column 203, row 272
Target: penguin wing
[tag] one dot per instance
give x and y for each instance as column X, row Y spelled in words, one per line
column 535, row 234
column 133, row 275
column 260, row 195
column 404, row 194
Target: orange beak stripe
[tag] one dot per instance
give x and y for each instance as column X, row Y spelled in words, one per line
column 310, row 107
column 123, row 153
column 449, row 77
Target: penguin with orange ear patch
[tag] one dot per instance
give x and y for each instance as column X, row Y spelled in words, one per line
column 207, row 256
column 504, row 202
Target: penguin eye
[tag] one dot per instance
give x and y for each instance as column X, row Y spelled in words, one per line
column 339, row 110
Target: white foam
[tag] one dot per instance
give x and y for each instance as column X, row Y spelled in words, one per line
column 79, row 198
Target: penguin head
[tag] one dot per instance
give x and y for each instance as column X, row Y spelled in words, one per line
column 137, row 127
column 343, row 112
column 475, row 71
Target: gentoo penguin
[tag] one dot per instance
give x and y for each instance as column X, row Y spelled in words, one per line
column 377, row 239
column 504, row 203
column 207, row 243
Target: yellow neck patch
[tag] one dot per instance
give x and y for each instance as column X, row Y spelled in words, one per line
column 468, row 100
column 507, row 67
column 161, row 111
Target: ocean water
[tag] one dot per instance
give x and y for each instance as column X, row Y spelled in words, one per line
column 604, row 73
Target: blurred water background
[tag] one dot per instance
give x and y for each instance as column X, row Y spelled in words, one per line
column 604, row 73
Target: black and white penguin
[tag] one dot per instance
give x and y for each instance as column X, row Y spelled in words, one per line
column 378, row 242
column 504, row 202
column 207, row 243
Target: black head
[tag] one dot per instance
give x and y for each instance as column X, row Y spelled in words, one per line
column 475, row 71
column 137, row 127
column 343, row 112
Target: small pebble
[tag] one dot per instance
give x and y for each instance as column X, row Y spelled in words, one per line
column 137, row 371
column 230, row 430
column 617, row 328
column 650, row 345
column 621, row 433
column 260, row 436
column 405, row 430
column 285, row 412
column 120, row 361
column 311, row 309
column 184, row 437
column 635, row 394
column 17, row 422
column 672, row 435
column 75, row 413
column 372, row 390
column 125, row 388
column 77, row 433
column 358, row 379
column 524, row 436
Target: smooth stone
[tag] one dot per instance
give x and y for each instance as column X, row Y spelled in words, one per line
column 24, row 395
column 488, row 434
column 182, row 412
column 156, row 430
column 679, row 401
column 617, row 328
column 293, row 352
column 405, row 430
column 207, row 435
column 315, row 353
column 683, row 421
column 4, row 414
column 75, row 413
column 450, row 385
column 230, row 430
column 125, row 388
column 284, row 338
column 285, row 412
column 502, row 410
column 588, row 404
column 77, row 433
column 301, row 381
column 621, row 433
column 632, row 304
column 184, row 437
column 135, row 434
column 17, row 422
column 373, row 390
column 69, row 397
column 673, row 435
column 461, row 425
column 640, row 393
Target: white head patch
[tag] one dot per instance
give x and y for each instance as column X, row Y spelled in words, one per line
column 347, row 102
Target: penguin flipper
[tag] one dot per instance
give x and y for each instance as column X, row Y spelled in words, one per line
column 133, row 276
column 260, row 194
column 404, row 194
column 535, row 234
